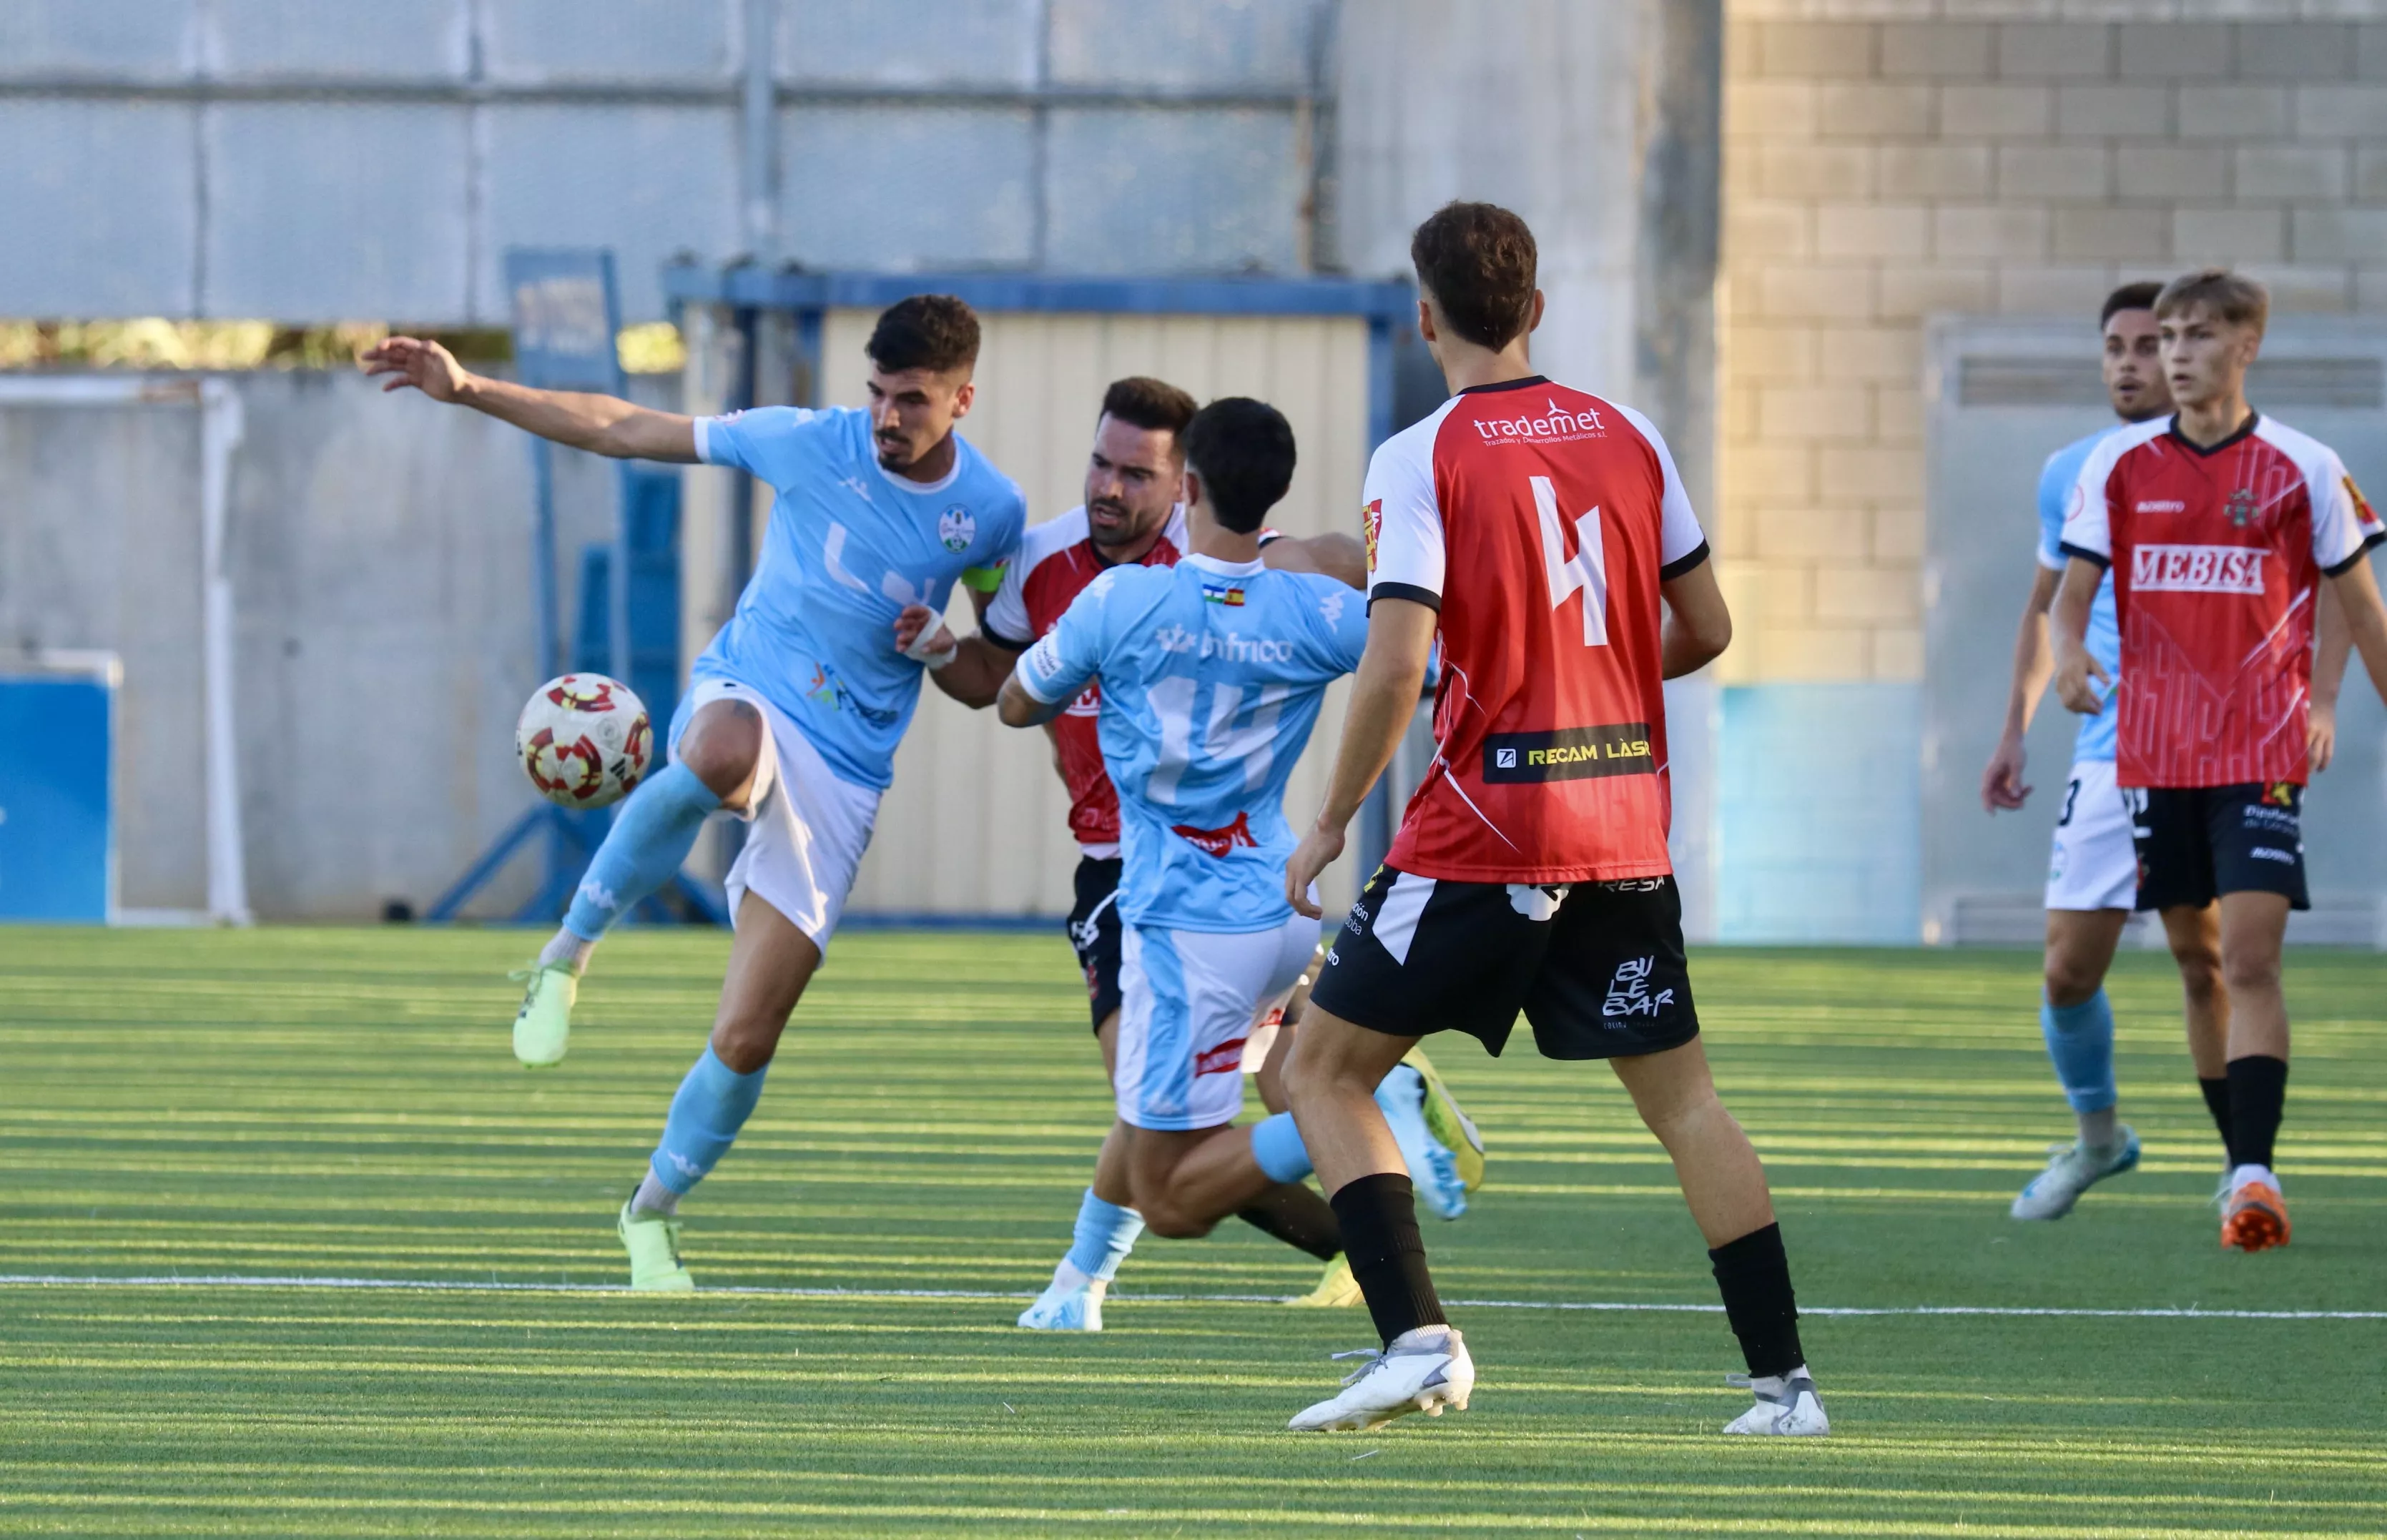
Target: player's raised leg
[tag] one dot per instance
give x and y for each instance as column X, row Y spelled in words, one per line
column 770, row 963
column 713, row 766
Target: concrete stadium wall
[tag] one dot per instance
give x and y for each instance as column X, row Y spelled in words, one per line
column 1890, row 160
column 380, row 551
column 373, row 158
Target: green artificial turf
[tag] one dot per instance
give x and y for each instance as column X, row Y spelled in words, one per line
column 299, row 1103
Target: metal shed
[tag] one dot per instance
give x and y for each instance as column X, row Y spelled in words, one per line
column 976, row 821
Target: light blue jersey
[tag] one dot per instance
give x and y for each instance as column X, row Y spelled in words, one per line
column 2055, row 483
column 1211, row 674
column 850, row 544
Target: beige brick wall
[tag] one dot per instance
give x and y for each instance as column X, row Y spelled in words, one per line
column 1887, row 160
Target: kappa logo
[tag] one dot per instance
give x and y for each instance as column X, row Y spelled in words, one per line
column 1628, row 992
column 1331, row 607
column 2163, row 569
column 599, row 894
column 1215, row 842
column 1175, row 638
column 856, row 486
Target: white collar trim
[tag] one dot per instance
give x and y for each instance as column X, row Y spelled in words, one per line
column 1224, row 568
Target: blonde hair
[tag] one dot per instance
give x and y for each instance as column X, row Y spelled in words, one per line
column 2226, row 295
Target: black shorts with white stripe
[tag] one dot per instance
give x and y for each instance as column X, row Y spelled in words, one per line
column 1094, row 933
column 1598, row 967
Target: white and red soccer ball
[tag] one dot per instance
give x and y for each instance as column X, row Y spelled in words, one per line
column 585, row 740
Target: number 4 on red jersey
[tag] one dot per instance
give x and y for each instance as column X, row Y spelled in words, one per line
column 1539, row 522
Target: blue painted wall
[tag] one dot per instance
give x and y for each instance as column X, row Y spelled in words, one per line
column 1820, row 813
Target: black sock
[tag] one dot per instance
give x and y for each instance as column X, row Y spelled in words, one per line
column 2258, row 1095
column 1379, row 1235
column 1753, row 1275
column 2216, row 1102
column 1297, row 1217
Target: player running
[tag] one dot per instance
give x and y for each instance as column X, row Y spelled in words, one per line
column 1537, row 528
column 1131, row 517
column 2217, row 524
column 1210, row 675
column 795, row 710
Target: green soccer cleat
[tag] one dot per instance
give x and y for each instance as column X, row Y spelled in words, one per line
column 1448, row 1122
column 1335, row 1289
column 543, row 1026
column 653, row 1242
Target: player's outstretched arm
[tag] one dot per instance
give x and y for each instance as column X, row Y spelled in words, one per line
column 2074, row 666
column 1384, row 698
column 1336, row 556
column 1019, row 709
column 1698, row 624
column 974, row 667
column 2034, row 662
column 602, row 424
column 2366, row 619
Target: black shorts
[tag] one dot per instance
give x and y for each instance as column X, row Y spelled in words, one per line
column 1095, row 932
column 1597, row 967
column 2198, row 842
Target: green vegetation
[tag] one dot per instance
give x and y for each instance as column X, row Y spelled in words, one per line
column 324, row 1104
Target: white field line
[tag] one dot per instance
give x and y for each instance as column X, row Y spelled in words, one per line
column 451, row 1285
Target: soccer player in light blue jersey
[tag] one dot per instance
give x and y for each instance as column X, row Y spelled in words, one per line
column 2093, row 873
column 794, row 712
column 1210, row 674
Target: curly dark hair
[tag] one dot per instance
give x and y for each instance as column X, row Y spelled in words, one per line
column 2130, row 296
column 1242, row 450
column 1478, row 261
column 926, row 331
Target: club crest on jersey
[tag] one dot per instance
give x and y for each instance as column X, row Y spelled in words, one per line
column 2363, row 513
column 956, row 528
column 1222, row 593
column 1568, row 754
column 1375, row 523
column 2241, row 508
column 1216, row 842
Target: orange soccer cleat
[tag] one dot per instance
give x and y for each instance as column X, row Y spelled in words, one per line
column 2255, row 1218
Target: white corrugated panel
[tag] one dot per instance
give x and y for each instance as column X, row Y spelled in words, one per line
column 976, row 822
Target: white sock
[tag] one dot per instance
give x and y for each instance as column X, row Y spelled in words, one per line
column 1774, row 1384
column 653, row 1197
column 1067, row 1277
column 2244, row 1174
column 566, row 951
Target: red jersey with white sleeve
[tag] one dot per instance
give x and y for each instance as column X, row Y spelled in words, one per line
column 2217, row 555
column 1539, row 521
column 1056, row 561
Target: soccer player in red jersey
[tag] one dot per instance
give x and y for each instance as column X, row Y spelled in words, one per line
column 2218, row 525
column 1544, row 533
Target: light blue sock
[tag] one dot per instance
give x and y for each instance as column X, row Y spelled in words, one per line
column 1276, row 1144
column 650, row 837
column 2080, row 1041
column 710, row 1108
column 1105, row 1234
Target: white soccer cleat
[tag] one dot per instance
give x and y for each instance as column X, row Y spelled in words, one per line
column 1434, row 1168
column 1071, row 1305
column 1787, row 1407
column 1423, row 1371
column 2072, row 1169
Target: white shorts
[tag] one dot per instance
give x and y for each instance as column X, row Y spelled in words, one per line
column 2094, row 864
column 807, row 827
column 1188, row 999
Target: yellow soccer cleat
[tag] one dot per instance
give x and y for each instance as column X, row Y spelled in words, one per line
column 1336, row 1289
column 543, row 1026
column 1448, row 1122
column 653, row 1242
